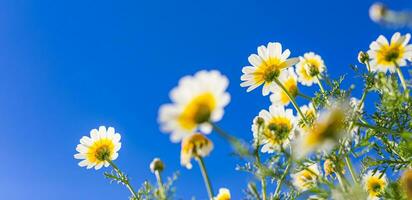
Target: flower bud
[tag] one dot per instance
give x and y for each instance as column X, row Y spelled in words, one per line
column 377, row 11
column 156, row 165
column 363, row 57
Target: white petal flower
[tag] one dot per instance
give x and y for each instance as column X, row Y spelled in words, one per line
column 196, row 145
column 196, row 101
column 309, row 68
column 307, row 178
column 289, row 80
column 374, row 184
column 224, row 194
column 102, row 146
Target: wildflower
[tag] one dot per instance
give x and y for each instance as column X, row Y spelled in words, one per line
column 363, row 57
column 307, row 178
column 289, row 80
column 330, row 167
column 196, row 145
column 196, row 101
column 278, row 130
column 309, row 68
column 385, row 56
column 266, row 67
column 156, row 165
column 406, row 181
column 374, row 184
column 98, row 149
column 224, row 194
column 377, row 11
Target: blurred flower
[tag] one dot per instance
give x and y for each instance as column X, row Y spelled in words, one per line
column 266, row 66
column 330, row 167
column 406, row 181
column 156, row 165
column 307, row 178
column 196, row 101
column 224, row 194
column 377, row 11
column 196, row 145
column 289, row 80
column 374, row 184
column 102, row 146
column 278, row 130
column 309, row 67
column 381, row 14
column 384, row 55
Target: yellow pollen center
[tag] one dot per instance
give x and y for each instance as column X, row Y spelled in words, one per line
column 100, row 151
column 269, row 70
column 388, row 54
column 291, row 86
column 375, row 186
column 197, row 111
column 278, row 130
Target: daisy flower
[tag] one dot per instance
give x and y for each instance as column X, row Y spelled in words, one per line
column 289, row 81
column 385, row 56
column 196, row 101
column 224, row 194
column 309, row 67
column 307, row 178
column 98, row 149
column 278, row 130
column 196, row 145
column 330, row 167
column 267, row 65
column 374, row 184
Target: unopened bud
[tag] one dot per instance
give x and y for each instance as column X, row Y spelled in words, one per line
column 363, row 57
column 156, row 165
column 260, row 121
column 377, row 11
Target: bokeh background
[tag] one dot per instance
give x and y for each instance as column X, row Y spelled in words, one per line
column 70, row 66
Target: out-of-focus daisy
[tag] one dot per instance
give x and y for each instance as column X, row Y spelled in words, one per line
column 330, row 167
column 98, row 149
column 196, row 145
column 156, row 165
column 307, row 178
column 374, row 184
column 309, row 68
column 196, row 101
column 278, row 130
column 224, row 194
column 377, row 11
column 266, row 66
column 325, row 132
column 406, row 181
column 289, row 81
column 384, row 55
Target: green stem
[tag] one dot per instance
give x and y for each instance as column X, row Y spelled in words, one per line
column 282, row 178
column 160, row 184
column 259, row 163
column 342, row 180
column 125, row 180
column 402, row 78
column 205, row 177
column 320, row 85
column 253, row 190
column 368, row 66
column 376, row 128
column 350, row 167
column 292, row 99
column 305, row 96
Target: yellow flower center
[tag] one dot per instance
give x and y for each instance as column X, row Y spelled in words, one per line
column 269, row 70
column 100, row 151
column 292, row 87
column 197, row 111
column 388, row 54
column 313, row 65
column 278, row 130
column 194, row 144
column 306, row 179
column 375, row 186
column 321, row 131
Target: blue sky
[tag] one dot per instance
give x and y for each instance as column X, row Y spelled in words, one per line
column 70, row 66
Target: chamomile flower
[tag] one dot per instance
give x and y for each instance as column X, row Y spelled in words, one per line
column 224, row 194
column 307, row 178
column 196, row 101
column 374, row 184
column 102, row 146
column 309, row 67
column 385, row 56
column 196, row 145
column 267, row 65
column 278, row 130
column 330, row 167
column 290, row 82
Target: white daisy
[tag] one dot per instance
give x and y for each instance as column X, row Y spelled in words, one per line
column 374, row 184
column 196, row 145
column 309, row 68
column 196, row 101
column 384, row 55
column 102, row 146
column 307, row 178
column 266, row 66
column 289, row 81
column 224, row 194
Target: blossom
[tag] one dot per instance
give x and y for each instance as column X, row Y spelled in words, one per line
column 224, row 194
column 289, row 81
column 196, row 101
column 98, row 149
column 377, row 11
column 267, row 65
column 278, row 130
column 309, row 67
column 385, row 56
column 406, row 181
column 156, row 165
column 196, row 145
column 306, row 178
column 330, row 167
column 374, row 184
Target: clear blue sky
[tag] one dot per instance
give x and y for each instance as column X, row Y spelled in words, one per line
column 70, row 66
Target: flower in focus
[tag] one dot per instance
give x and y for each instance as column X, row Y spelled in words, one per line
column 102, row 146
column 324, row 133
column 385, row 56
column 196, row 101
column 406, row 181
column 307, row 178
column 278, row 130
column 156, row 165
column 289, row 80
column 196, row 145
column 266, row 66
column 309, row 68
column 224, row 194
column 374, row 184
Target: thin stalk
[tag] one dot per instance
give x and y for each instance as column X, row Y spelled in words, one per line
column 368, row 66
column 377, row 128
column 282, row 178
column 320, row 85
column 253, row 190
column 350, row 167
column 305, row 96
column 342, row 180
column 292, row 99
column 402, row 78
column 125, row 180
column 259, row 163
column 205, row 177
column 160, row 185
